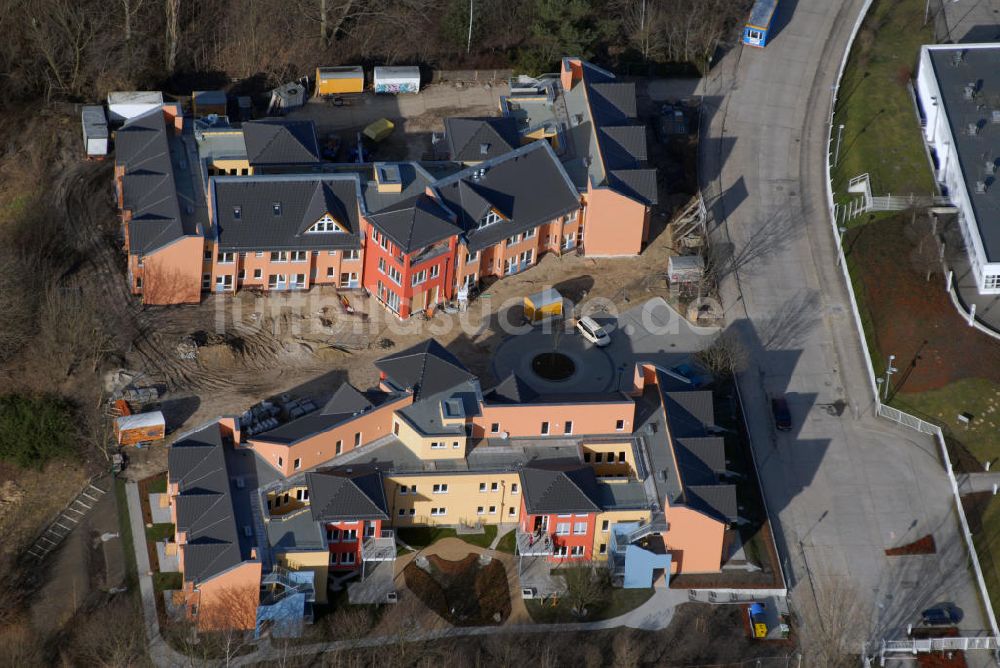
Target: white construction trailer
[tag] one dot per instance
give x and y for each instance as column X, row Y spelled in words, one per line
column 396, row 80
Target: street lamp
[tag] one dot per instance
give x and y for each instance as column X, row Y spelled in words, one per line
column 889, row 370
column 840, row 254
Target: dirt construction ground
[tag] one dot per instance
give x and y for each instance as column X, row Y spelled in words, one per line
column 231, row 351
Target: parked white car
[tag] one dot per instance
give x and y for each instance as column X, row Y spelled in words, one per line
column 590, row 330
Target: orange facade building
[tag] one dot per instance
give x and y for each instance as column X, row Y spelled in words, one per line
column 208, row 207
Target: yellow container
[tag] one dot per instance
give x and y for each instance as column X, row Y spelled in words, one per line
column 339, row 80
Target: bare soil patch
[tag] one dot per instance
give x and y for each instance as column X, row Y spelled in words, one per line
column 463, row 593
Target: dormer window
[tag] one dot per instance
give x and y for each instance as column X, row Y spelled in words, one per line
column 325, row 224
column 484, row 149
column 237, row 211
column 276, row 208
column 490, row 218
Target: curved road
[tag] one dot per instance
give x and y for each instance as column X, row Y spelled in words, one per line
column 840, row 489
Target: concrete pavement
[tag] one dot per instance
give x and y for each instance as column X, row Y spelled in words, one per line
column 840, row 489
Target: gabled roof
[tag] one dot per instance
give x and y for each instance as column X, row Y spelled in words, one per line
column 281, row 142
column 527, row 187
column 425, row 369
column 511, row 390
column 414, row 223
column 638, row 184
column 476, row 139
column 717, row 500
column 148, row 187
column 345, row 494
column 689, row 413
column 347, row 399
column 700, row 459
column 560, row 488
column 204, row 504
column 246, row 218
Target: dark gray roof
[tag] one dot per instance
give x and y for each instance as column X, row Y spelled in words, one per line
column 610, row 101
column 560, row 488
column 700, row 459
column 281, row 142
column 511, row 390
column 689, row 413
column 426, row 369
column 621, row 495
column 295, row 530
column 301, row 201
column 981, row 67
column 477, row 139
column 638, row 184
column 414, row 180
column 527, row 186
column 717, row 500
column 341, row 493
column 414, row 223
column 342, row 407
column 142, row 148
column 204, row 504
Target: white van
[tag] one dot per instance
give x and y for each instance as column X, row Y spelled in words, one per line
column 593, row 332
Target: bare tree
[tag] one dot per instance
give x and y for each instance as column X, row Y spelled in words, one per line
column 835, row 624
column 62, row 35
column 585, row 587
column 172, row 10
column 725, row 356
column 626, row 649
column 927, row 251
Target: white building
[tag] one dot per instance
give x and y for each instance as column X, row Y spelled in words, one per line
column 958, row 92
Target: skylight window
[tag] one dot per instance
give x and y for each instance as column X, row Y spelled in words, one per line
column 276, row 208
column 237, row 211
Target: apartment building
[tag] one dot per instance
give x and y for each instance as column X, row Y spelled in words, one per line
column 208, row 207
column 634, row 479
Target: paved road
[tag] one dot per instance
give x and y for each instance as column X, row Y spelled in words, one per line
column 843, row 488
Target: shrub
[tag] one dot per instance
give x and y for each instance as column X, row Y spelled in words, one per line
column 35, row 430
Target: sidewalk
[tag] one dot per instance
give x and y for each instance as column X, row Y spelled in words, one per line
column 159, row 651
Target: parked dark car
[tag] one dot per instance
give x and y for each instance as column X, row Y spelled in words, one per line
column 944, row 614
column 782, row 416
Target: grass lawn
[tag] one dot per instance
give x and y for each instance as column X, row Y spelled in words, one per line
column 159, row 532
column 158, row 485
column 508, row 542
column 166, row 581
column 618, row 602
column 423, row 536
column 125, row 531
column 881, row 134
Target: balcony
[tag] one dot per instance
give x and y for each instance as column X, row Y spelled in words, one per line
column 534, row 545
column 379, row 548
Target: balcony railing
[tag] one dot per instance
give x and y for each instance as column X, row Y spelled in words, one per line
column 379, row 548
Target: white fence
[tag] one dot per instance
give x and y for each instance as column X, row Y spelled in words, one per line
column 940, row 644
column 887, row 411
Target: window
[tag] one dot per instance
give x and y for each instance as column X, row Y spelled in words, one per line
column 471, row 257
column 374, row 234
column 413, row 511
column 347, row 558
column 991, row 282
column 482, row 487
column 603, row 548
column 333, row 535
column 297, row 463
column 598, row 457
column 568, row 427
column 621, row 457
column 279, row 256
column 579, row 528
column 402, row 511
column 494, row 486
column 562, row 529
column 340, row 447
column 329, row 272
column 495, row 428
column 454, row 445
column 324, row 224
column 559, row 551
column 620, row 425
column 349, row 535
column 281, row 461
column 493, row 510
column 403, row 489
column 604, row 525
column 491, row 218
column 352, row 254
column 138, row 282
column 276, row 208
column 299, row 256
column 413, row 490
column 357, row 439
column 438, row 445
column 259, row 254
column 530, row 234
column 586, row 457
column 511, row 511
column 437, row 512
column 208, row 255
column 513, row 488
column 545, row 428
column 576, row 551
column 419, row 277
column 440, row 488
column 395, row 429
column 479, row 510
column 435, row 271
column 237, row 212
column 226, row 257
column 513, row 240
column 754, row 35
column 299, row 494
